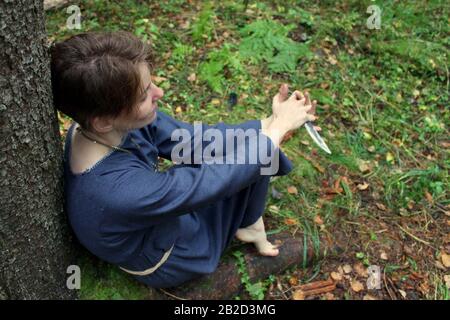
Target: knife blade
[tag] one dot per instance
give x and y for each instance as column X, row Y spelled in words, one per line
column 316, row 137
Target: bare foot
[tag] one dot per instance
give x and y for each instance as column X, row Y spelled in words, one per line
column 256, row 234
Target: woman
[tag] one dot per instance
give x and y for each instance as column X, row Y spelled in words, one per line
column 162, row 227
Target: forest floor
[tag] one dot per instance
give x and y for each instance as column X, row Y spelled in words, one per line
column 382, row 195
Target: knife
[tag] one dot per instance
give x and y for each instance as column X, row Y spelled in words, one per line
column 316, row 136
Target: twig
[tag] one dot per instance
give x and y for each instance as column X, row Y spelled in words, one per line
column 387, row 287
column 171, row 295
column 414, row 237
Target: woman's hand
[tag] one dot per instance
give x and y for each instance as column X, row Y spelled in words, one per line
column 282, row 96
column 293, row 112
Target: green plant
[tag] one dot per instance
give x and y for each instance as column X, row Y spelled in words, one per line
column 213, row 71
column 203, row 27
column 255, row 290
column 266, row 40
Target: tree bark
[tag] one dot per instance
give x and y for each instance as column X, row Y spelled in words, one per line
column 35, row 240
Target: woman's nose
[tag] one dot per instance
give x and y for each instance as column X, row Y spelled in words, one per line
column 159, row 92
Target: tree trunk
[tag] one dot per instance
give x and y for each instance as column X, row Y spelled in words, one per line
column 35, row 240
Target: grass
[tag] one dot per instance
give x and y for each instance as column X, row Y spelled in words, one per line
column 383, row 102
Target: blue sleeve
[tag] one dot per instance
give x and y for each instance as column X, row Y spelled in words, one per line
column 140, row 198
column 162, row 128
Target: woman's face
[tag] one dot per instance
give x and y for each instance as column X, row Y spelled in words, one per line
column 145, row 112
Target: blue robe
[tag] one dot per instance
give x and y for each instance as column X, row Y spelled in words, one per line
column 128, row 213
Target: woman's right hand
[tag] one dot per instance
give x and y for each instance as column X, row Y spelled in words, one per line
column 291, row 113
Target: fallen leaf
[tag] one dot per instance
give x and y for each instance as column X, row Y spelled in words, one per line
column 192, row 77
column 384, row 256
column 389, row 157
column 369, row 297
column 290, row 221
column 364, row 166
column 380, row 206
column 402, row 292
column 429, row 197
column 157, row 79
column 424, row 288
column 362, row 186
column 439, row 265
column 332, row 59
column 178, row 110
column 298, row 295
column 215, row 102
column 357, row 286
column 293, row 281
column 360, row 269
column 274, row 209
column 447, row 281
column 304, row 142
column 329, row 296
column 347, row 268
column 292, row 190
column 336, row 276
column 445, row 258
column 318, row 220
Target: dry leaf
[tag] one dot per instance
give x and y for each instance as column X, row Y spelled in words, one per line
column 293, row 281
column 439, row 265
column 389, row 157
column 364, row 166
column 347, row 268
column 215, row 102
column 360, row 269
column 304, row 142
column 158, row 80
column 192, row 77
column 318, row 220
column 362, row 186
column 274, row 209
column 380, row 206
column 369, row 297
column 329, row 296
column 332, row 60
column 429, row 197
column 402, row 292
column 298, row 295
column 447, row 281
column 357, row 286
column 292, row 190
column 336, row 276
column 445, row 258
column 290, row 221
column 384, row 255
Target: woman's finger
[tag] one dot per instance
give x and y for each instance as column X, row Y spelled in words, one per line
column 307, row 97
column 284, row 92
column 313, row 109
column 296, row 95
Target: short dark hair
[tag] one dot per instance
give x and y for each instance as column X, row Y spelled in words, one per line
column 97, row 74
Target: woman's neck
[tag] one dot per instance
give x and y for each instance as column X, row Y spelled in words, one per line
column 112, row 138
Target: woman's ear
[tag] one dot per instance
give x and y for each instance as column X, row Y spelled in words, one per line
column 102, row 124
